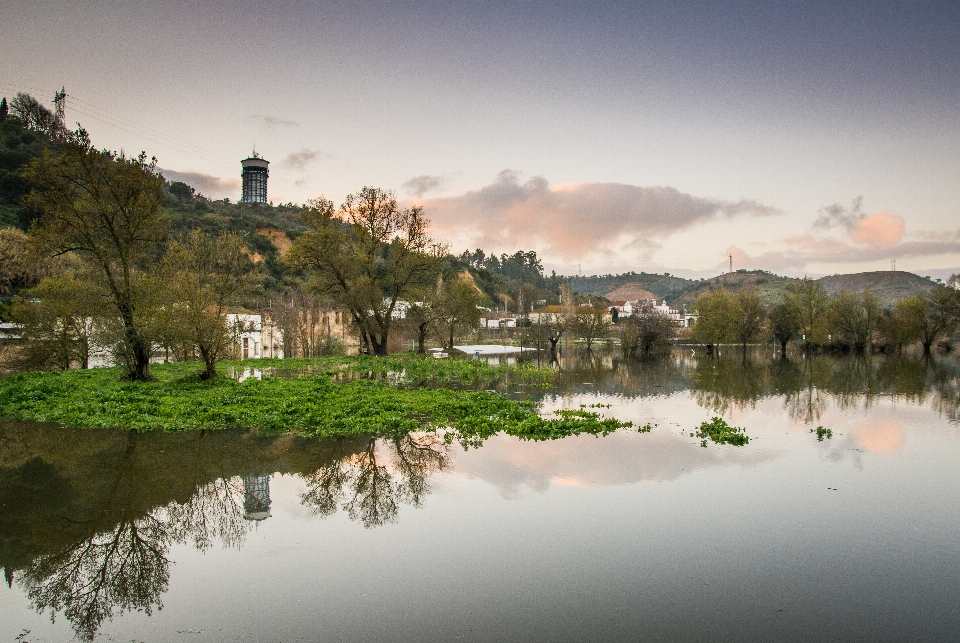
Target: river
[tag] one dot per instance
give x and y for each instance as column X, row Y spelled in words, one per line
column 849, row 534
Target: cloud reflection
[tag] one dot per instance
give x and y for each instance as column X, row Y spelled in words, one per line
column 621, row 458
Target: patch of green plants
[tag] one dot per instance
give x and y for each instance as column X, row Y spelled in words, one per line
column 309, row 404
column 720, row 432
column 646, row 428
column 822, row 433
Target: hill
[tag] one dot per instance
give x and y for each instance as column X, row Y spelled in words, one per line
column 630, row 292
column 664, row 286
column 768, row 285
column 888, row 285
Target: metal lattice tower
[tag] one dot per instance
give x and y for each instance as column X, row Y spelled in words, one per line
column 59, row 101
column 254, row 176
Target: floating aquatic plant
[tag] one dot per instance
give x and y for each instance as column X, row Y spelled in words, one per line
column 720, row 432
column 822, row 433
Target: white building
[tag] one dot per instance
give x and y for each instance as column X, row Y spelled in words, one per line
column 253, row 336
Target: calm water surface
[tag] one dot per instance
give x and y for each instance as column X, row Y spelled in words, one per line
column 227, row 536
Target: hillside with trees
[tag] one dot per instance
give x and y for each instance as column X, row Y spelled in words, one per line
column 98, row 248
column 664, row 286
column 889, row 286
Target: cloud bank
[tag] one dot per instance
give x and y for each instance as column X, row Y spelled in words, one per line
column 863, row 238
column 212, row 187
column 575, row 220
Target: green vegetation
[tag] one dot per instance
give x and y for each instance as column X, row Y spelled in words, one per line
column 809, row 315
column 307, row 403
column 822, row 433
column 720, row 432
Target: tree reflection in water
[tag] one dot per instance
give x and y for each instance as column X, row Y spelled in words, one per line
column 125, row 569
column 103, row 508
column 372, row 484
column 807, row 385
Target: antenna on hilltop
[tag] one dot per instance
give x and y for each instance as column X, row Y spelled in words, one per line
column 893, row 265
column 731, row 262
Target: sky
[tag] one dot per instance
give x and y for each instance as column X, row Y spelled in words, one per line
column 803, row 138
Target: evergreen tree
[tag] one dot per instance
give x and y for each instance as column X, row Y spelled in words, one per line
column 4, row 110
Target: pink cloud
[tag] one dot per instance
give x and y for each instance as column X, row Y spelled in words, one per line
column 574, row 220
column 880, row 230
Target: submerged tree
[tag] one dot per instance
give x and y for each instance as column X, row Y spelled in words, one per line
column 590, row 324
column 105, row 208
column 459, row 308
column 714, row 318
column 854, row 318
column 783, row 326
column 367, row 256
column 940, row 313
column 808, row 303
column 747, row 316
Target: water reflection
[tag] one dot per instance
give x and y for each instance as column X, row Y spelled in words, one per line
column 88, row 518
column 808, row 385
column 371, row 484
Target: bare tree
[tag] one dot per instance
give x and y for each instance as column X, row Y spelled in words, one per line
column 31, row 113
column 590, row 324
column 366, row 256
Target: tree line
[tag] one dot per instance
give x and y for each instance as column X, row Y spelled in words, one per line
column 101, row 266
column 809, row 316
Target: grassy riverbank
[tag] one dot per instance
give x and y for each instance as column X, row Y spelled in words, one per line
column 323, row 396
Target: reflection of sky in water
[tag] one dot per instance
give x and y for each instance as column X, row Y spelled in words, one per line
column 623, row 537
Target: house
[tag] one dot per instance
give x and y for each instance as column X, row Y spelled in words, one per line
column 642, row 307
column 254, row 337
column 10, row 331
column 497, row 321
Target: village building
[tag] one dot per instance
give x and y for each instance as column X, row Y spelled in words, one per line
column 642, row 307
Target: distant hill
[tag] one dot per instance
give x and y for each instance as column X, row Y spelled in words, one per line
column 630, row 292
column 888, row 285
column 768, row 285
column 664, row 286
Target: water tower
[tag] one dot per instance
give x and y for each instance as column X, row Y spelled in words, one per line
column 254, row 177
column 256, row 497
